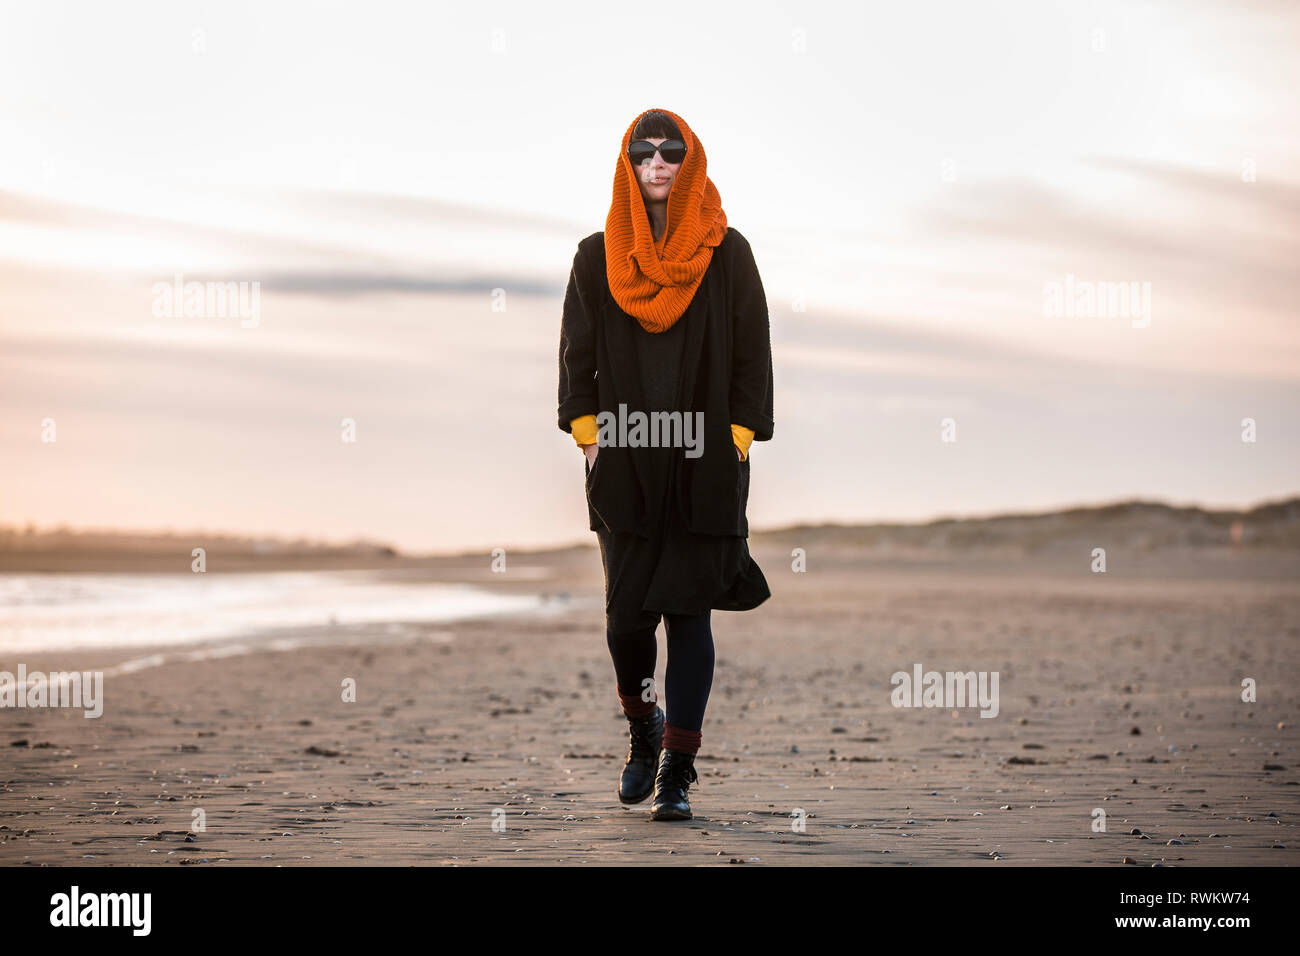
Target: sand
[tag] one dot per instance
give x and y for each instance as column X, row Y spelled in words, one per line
column 500, row 741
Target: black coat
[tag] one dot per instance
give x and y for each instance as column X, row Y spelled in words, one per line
column 727, row 374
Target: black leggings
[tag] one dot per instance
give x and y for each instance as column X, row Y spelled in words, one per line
column 689, row 674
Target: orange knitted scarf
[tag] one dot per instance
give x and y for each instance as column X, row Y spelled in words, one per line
column 654, row 280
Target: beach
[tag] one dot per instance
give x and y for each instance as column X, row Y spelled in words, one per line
column 498, row 740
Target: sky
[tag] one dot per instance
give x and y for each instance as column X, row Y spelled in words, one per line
column 915, row 180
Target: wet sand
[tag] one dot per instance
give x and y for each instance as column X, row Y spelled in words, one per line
column 500, row 741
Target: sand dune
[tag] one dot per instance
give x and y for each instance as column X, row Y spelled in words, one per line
column 1142, row 526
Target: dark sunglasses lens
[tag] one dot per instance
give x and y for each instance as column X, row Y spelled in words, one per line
column 640, row 152
column 673, row 151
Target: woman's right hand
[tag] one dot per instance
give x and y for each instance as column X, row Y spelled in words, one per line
column 590, row 451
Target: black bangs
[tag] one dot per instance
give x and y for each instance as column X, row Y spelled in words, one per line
column 655, row 124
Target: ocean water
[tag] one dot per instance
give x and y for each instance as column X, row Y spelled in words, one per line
column 58, row 612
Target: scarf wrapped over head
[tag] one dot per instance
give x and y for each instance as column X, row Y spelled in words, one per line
column 651, row 279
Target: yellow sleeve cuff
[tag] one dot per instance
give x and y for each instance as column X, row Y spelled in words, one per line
column 584, row 430
column 742, row 436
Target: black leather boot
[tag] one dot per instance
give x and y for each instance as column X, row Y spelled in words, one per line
column 646, row 740
column 676, row 774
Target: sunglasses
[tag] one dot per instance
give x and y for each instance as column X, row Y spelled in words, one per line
column 672, row 150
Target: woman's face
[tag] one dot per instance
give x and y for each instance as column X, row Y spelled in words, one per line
column 656, row 176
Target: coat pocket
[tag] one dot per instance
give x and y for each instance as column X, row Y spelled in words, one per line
column 742, row 497
column 714, row 490
column 593, row 473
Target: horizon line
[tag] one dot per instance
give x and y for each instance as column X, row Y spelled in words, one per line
column 32, row 529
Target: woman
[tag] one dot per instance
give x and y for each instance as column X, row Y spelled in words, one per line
column 665, row 321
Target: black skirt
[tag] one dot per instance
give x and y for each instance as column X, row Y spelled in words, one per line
column 675, row 571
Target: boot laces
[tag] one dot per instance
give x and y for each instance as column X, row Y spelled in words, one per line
column 680, row 773
column 641, row 729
